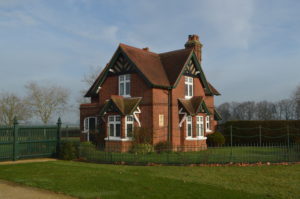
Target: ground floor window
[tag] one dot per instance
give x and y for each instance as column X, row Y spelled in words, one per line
column 200, row 126
column 129, row 126
column 89, row 124
column 207, row 123
column 189, row 126
column 114, row 126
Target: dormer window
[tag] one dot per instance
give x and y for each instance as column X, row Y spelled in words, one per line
column 124, row 85
column 188, row 81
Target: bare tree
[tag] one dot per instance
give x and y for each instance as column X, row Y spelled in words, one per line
column 46, row 100
column 12, row 106
column 224, row 110
column 265, row 110
column 296, row 98
column 285, row 109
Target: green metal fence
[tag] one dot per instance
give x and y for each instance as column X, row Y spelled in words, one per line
column 21, row 142
column 250, row 153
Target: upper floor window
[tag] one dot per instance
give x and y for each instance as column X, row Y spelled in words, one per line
column 200, row 126
column 188, row 81
column 124, row 85
column 207, row 123
column 189, row 126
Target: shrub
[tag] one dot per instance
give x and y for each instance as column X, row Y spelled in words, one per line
column 68, row 151
column 163, row 146
column 142, row 135
column 141, row 148
column 86, row 148
column 215, row 139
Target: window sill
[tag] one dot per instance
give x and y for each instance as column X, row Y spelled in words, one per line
column 126, row 96
column 196, row 138
column 117, row 139
column 208, row 130
column 188, row 97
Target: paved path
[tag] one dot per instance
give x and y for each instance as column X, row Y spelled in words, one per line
column 9, row 190
column 29, row 160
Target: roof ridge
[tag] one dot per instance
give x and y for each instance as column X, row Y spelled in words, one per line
column 142, row 50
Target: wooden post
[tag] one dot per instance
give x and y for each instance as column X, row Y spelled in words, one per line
column 15, row 134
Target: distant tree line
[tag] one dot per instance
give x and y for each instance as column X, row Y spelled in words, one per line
column 40, row 102
column 285, row 109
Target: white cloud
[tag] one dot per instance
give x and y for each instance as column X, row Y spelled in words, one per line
column 16, row 18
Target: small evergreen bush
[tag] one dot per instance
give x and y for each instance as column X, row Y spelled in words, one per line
column 163, row 146
column 68, row 151
column 215, row 139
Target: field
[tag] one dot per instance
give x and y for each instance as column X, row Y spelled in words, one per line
column 88, row 180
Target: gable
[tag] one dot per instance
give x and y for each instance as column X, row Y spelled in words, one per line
column 158, row 70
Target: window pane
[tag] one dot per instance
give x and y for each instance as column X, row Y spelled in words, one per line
column 190, row 90
column 189, row 130
column 186, row 79
column 127, row 77
column 92, row 123
column 190, row 80
column 121, row 88
column 189, row 118
column 129, row 118
column 129, row 130
column 111, row 130
column 198, row 129
column 127, row 88
column 201, row 130
column 111, row 118
column 86, row 124
column 118, row 130
column 118, row 118
column 186, row 90
column 121, row 78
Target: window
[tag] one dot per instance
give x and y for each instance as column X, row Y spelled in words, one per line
column 89, row 124
column 200, row 126
column 189, row 126
column 129, row 126
column 161, row 120
column 188, row 87
column 114, row 126
column 207, row 123
column 124, row 85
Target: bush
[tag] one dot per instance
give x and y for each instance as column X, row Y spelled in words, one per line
column 86, row 148
column 163, row 146
column 68, row 151
column 141, row 148
column 215, row 139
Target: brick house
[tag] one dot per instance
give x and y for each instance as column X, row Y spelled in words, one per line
column 165, row 92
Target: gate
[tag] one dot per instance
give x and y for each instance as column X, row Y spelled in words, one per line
column 22, row 142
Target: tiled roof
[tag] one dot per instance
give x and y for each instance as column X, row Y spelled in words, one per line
column 194, row 105
column 126, row 106
column 161, row 70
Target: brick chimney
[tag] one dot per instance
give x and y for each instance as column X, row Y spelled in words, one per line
column 194, row 43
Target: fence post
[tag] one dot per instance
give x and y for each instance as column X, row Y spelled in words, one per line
column 231, row 143
column 58, row 136
column 15, row 133
column 259, row 135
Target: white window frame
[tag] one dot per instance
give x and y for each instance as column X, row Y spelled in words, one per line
column 86, row 124
column 129, row 119
column 207, row 123
column 200, row 126
column 189, row 87
column 189, row 121
column 114, row 122
column 124, row 79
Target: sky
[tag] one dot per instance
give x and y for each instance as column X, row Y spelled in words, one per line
column 251, row 48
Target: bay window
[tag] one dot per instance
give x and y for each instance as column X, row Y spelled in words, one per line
column 200, row 126
column 189, row 126
column 129, row 126
column 207, row 123
column 114, row 126
column 124, row 85
column 188, row 81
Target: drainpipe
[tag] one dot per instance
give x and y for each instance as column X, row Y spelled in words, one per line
column 169, row 115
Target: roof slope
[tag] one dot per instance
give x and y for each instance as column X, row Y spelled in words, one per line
column 160, row 70
column 194, row 105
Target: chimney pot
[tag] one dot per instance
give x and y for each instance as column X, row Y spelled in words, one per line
column 146, row 49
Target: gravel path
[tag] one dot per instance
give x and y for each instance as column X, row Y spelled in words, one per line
column 9, row 190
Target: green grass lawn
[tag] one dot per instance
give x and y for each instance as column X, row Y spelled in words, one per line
column 88, row 180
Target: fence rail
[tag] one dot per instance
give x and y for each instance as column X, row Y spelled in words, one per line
column 251, row 153
column 20, row 142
